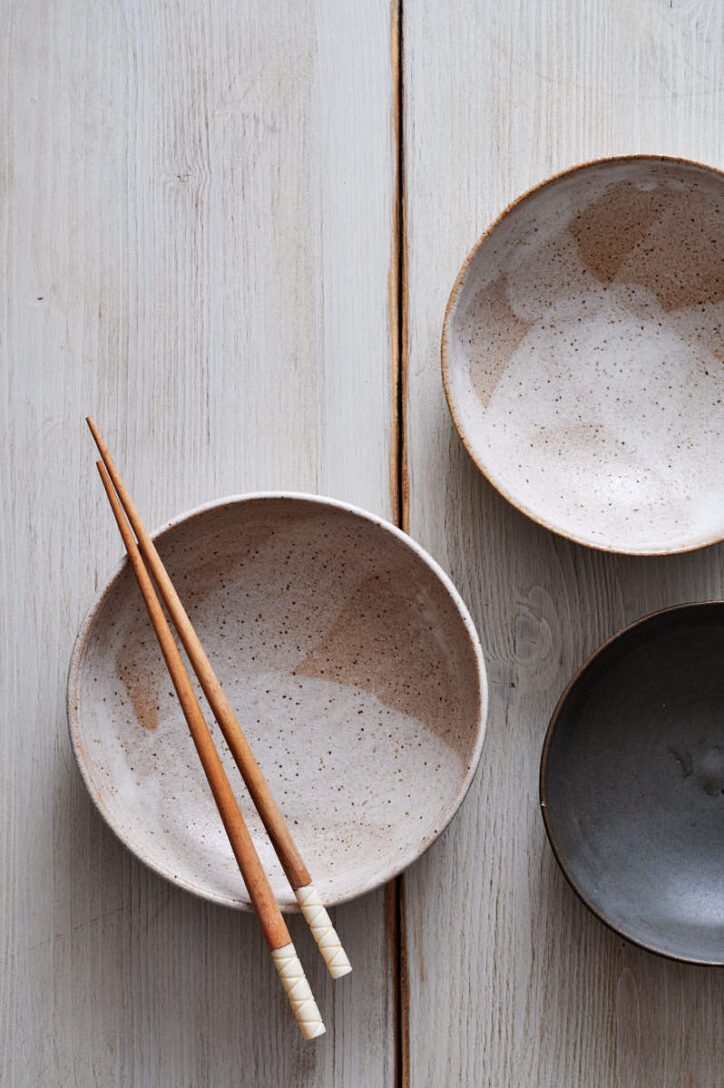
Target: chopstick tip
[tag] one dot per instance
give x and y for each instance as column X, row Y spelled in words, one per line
column 96, row 434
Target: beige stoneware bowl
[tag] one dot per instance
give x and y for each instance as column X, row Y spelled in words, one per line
column 355, row 671
column 583, row 354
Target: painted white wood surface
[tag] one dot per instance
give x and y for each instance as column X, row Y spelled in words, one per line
column 198, row 237
column 512, row 983
column 197, row 224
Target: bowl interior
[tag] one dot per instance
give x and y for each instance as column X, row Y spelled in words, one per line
column 584, row 359
column 633, row 783
column 355, row 674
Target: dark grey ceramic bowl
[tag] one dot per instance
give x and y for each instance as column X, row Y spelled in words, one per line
column 632, row 783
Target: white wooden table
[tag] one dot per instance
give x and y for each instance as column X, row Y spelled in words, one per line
column 229, row 231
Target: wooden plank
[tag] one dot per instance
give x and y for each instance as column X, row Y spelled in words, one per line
column 198, row 234
column 512, row 982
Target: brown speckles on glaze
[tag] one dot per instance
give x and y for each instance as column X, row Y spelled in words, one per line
column 354, row 674
column 604, row 420
column 613, row 225
column 668, row 239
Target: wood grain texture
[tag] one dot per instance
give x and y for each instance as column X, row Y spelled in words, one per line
column 197, row 213
column 512, row 982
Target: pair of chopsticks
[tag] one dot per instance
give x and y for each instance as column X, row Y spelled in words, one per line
column 144, row 558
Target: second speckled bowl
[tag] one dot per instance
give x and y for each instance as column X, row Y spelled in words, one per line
column 583, row 354
column 356, row 674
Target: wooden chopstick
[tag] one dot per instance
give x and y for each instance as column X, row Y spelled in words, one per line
column 257, row 884
column 297, row 873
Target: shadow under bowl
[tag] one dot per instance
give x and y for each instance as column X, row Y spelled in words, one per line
column 353, row 667
column 632, row 783
column 583, row 358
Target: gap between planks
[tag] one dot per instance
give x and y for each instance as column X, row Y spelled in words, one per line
column 395, row 890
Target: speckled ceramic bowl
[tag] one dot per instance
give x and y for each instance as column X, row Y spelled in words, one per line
column 354, row 669
column 583, row 354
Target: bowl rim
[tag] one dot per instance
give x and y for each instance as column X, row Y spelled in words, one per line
column 606, row 160
column 82, row 638
column 691, row 606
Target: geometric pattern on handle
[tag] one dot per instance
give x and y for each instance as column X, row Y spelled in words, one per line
column 323, row 931
column 300, row 996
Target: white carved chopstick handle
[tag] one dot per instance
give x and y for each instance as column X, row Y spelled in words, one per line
column 323, row 931
column 300, row 996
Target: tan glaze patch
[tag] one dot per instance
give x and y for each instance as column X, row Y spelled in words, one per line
column 141, row 686
column 377, row 629
column 502, row 331
column 667, row 239
column 611, row 227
